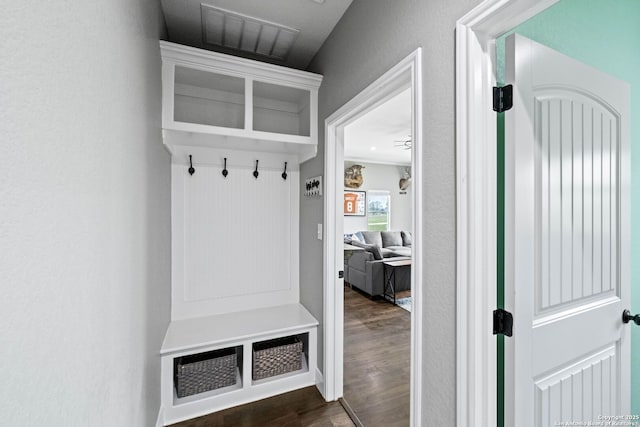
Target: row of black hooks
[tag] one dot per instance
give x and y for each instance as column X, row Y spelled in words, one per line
column 225, row 172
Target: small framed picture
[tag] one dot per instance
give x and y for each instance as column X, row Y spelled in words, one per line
column 355, row 203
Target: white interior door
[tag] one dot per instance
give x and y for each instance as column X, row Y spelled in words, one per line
column 566, row 239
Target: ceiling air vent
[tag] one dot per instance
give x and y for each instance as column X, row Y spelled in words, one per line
column 236, row 31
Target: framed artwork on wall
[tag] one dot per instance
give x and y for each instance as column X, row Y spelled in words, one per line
column 355, row 203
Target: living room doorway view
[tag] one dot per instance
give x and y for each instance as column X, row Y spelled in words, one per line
column 377, row 224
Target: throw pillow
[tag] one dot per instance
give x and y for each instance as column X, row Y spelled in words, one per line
column 355, row 238
column 406, row 238
column 360, row 236
column 391, row 238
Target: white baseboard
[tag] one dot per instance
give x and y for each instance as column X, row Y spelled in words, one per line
column 160, row 420
column 320, row 383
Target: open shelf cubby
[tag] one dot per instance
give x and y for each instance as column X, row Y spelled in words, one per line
column 207, row 98
column 286, row 359
column 206, row 374
column 281, row 109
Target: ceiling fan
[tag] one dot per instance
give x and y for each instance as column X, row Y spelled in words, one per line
column 404, row 144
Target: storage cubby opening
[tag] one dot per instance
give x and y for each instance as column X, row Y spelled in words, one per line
column 279, row 357
column 281, row 109
column 207, row 98
column 207, row 374
column 304, row 338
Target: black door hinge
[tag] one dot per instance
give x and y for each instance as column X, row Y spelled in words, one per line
column 341, row 274
column 502, row 98
column 502, row 322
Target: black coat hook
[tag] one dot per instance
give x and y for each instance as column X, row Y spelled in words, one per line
column 255, row 172
column 191, row 169
column 225, row 172
column 284, row 174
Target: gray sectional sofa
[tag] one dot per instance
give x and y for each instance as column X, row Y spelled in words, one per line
column 364, row 269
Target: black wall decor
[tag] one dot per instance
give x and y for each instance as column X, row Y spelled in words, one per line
column 313, row 186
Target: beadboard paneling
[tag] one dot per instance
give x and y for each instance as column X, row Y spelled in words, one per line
column 578, row 176
column 582, row 392
column 239, row 239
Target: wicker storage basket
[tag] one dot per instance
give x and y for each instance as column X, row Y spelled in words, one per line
column 275, row 357
column 205, row 371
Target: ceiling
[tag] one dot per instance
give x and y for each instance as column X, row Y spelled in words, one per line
column 283, row 32
column 379, row 135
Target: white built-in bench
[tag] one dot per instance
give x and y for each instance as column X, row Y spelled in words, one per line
column 238, row 330
column 224, row 118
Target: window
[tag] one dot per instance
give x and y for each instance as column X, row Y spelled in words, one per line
column 378, row 210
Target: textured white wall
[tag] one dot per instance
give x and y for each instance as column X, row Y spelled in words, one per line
column 84, row 213
column 371, row 37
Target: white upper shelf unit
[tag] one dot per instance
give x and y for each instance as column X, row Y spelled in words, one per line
column 222, row 101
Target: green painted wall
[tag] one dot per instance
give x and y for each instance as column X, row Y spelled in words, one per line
column 606, row 35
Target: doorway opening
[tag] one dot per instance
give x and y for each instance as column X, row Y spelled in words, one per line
column 406, row 74
column 377, row 230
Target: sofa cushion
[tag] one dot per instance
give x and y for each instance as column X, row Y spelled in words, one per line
column 406, row 238
column 387, row 252
column 400, row 251
column 395, row 251
column 391, row 238
column 375, row 250
column 372, row 237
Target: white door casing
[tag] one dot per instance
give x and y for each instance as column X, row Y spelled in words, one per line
column 567, row 175
column 407, row 73
column 476, row 225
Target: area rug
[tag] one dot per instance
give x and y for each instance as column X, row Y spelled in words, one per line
column 404, row 303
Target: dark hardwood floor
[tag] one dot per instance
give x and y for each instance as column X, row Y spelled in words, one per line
column 377, row 360
column 301, row 408
column 376, row 378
